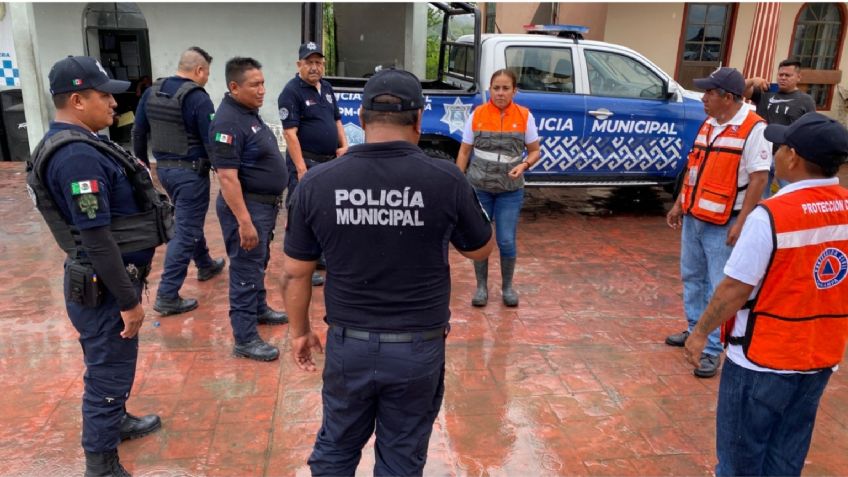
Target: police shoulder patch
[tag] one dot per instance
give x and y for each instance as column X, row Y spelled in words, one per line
column 85, row 187
column 830, row 269
column 88, row 204
column 284, row 114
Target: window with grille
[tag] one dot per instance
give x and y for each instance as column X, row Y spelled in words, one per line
column 817, row 38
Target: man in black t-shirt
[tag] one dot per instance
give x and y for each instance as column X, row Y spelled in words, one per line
column 783, row 107
column 384, row 216
column 250, row 168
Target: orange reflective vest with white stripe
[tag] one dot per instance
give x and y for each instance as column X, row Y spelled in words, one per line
column 711, row 186
column 799, row 319
column 498, row 147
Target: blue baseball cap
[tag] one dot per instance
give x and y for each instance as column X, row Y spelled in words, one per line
column 815, row 137
column 401, row 84
column 728, row 79
column 78, row 73
column 309, row 48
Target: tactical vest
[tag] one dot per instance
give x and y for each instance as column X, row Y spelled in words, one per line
column 151, row 227
column 165, row 113
column 710, row 187
column 799, row 319
column 498, row 147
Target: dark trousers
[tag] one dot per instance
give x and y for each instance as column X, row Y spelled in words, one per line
column 395, row 389
column 292, row 185
column 765, row 420
column 190, row 195
column 247, row 268
column 109, row 371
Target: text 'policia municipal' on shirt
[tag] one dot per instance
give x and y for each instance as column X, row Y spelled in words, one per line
column 385, row 215
column 239, row 139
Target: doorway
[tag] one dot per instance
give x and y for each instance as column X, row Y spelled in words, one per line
column 116, row 34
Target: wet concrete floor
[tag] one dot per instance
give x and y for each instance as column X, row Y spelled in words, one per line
column 575, row 381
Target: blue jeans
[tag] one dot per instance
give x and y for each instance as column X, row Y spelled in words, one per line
column 248, row 297
column 190, row 195
column 764, row 421
column 393, row 388
column 503, row 208
column 703, row 254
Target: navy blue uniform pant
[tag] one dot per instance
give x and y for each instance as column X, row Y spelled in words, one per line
column 293, row 180
column 393, row 389
column 190, row 194
column 247, row 267
column 109, row 370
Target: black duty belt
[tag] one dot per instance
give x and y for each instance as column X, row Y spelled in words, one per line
column 393, row 337
column 317, row 157
column 194, row 165
column 268, row 199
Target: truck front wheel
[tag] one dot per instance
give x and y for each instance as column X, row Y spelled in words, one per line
column 438, row 154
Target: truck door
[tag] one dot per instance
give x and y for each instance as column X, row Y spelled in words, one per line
column 633, row 126
column 546, row 85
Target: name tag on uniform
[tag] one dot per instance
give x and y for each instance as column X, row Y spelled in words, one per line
column 309, row 102
column 693, row 175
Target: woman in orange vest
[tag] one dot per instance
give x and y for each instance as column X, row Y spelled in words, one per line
column 498, row 133
column 788, row 278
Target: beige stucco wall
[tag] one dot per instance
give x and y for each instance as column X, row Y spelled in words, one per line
column 511, row 16
column 652, row 29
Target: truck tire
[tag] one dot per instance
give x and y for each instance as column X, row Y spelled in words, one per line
column 438, row 154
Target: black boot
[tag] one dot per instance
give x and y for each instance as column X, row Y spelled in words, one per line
column 317, row 279
column 510, row 296
column 272, row 317
column 481, row 271
column 133, row 427
column 104, row 464
column 174, row 306
column 257, row 350
column 208, row 273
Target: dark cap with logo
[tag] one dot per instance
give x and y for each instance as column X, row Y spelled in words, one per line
column 78, row 73
column 728, row 79
column 815, row 137
column 400, row 84
column 309, row 48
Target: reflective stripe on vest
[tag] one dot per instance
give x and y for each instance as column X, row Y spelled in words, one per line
column 710, row 186
column 168, row 133
column 498, row 147
column 799, row 318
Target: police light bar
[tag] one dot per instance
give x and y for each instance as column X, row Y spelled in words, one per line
column 564, row 31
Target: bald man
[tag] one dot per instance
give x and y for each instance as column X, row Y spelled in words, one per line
column 175, row 114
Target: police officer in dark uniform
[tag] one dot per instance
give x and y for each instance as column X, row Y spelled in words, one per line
column 384, row 216
column 312, row 124
column 252, row 172
column 100, row 205
column 176, row 112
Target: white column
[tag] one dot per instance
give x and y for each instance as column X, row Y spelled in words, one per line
column 415, row 47
column 33, row 83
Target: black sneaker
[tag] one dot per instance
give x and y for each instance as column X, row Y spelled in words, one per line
column 317, row 279
column 133, row 427
column 708, row 366
column 272, row 317
column 257, row 350
column 207, row 273
column 678, row 339
column 174, row 306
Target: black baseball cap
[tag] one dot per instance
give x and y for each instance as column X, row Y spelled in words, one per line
column 728, row 79
column 815, row 137
column 401, row 84
column 309, row 48
column 78, row 73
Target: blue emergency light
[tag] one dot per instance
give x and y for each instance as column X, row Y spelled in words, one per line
column 563, row 31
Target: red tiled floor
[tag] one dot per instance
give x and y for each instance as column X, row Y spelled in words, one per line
column 575, row 381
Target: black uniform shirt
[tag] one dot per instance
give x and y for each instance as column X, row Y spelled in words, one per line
column 89, row 188
column 313, row 113
column 384, row 216
column 239, row 139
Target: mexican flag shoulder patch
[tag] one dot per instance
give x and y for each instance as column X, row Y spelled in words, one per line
column 85, row 187
column 225, row 138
